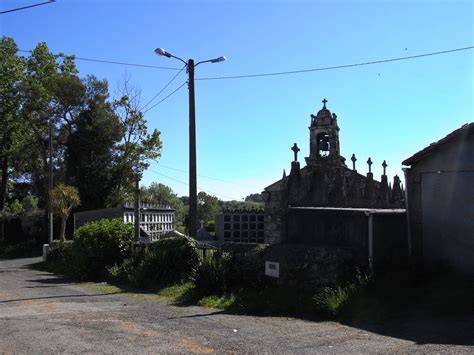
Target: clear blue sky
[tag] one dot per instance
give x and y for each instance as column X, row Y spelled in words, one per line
column 245, row 127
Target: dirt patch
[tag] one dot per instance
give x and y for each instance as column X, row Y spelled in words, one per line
column 193, row 347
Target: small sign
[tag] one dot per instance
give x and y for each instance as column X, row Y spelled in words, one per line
column 272, row 269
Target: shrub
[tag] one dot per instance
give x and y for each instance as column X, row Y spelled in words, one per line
column 330, row 301
column 212, row 275
column 167, row 261
column 27, row 249
column 59, row 256
column 98, row 245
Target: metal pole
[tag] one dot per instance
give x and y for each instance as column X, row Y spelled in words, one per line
column 50, row 197
column 192, row 155
column 137, row 208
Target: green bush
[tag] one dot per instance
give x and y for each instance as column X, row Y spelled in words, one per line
column 331, row 301
column 59, row 256
column 167, row 261
column 212, row 275
column 98, row 245
column 27, row 249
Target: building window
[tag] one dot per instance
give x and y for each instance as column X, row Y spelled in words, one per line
column 253, row 218
column 236, row 218
column 226, row 226
column 260, row 218
column 245, row 218
column 227, row 218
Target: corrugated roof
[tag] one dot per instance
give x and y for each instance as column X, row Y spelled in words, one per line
column 466, row 129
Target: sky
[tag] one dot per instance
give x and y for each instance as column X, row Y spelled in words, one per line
column 246, row 126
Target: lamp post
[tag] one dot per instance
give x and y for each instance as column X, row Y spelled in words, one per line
column 192, row 136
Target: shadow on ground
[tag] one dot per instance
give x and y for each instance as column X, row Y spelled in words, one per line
column 426, row 308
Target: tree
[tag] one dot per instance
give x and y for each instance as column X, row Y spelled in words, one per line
column 13, row 131
column 137, row 147
column 208, row 207
column 64, row 199
column 90, row 147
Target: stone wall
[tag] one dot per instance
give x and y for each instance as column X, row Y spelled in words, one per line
column 304, row 267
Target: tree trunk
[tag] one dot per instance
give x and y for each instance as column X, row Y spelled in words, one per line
column 4, row 184
column 63, row 230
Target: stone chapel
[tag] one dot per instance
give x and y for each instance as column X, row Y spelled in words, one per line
column 326, row 181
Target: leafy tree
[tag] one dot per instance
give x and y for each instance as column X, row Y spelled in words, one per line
column 30, row 205
column 137, row 147
column 64, row 199
column 12, row 129
column 208, row 207
column 90, row 147
column 48, row 92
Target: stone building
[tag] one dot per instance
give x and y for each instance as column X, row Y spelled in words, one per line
column 240, row 225
column 325, row 181
column 156, row 219
column 440, row 201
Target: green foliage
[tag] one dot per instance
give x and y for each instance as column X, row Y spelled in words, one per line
column 98, row 245
column 27, row 249
column 30, row 205
column 208, row 207
column 14, row 207
column 59, row 256
column 212, row 276
column 160, row 193
column 167, row 261
column 331, row 301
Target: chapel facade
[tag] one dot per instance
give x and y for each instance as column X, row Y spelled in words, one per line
column 326, row 180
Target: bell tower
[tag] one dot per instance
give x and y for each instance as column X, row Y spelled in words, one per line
column 324, row 138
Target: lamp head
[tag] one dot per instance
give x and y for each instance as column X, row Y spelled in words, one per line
column 217, row 60
column 161, row 51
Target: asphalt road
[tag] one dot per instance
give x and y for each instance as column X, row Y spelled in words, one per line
column 42, row 313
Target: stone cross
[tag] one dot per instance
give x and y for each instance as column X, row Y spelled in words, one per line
column 384, row 165
column 295, row 150
column 324, row 102
column 354, row 159
column 369, row 162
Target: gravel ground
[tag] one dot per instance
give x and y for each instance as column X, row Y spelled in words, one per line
column 43, row 313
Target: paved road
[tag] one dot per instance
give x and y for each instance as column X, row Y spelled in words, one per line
column 42, row 313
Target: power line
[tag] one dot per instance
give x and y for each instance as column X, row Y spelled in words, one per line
column 184, row 183
column 163, row 99
column 207, row 177
column 111, row 62
column 163, row 89
column 27, row 7
column 337, row 66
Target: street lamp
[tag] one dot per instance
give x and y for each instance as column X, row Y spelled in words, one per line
column 192, row 136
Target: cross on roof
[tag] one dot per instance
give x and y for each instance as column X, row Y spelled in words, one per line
column 384, row 165
column 324, row 102
column 354, row 159
column 369, row 162
column 295, row 150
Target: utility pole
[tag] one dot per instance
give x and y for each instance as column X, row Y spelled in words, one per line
column 192, row 136
column 137, row 208
column 192, row 154
column 50, row 195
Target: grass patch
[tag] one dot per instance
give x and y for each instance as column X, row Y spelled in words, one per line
column 176, row 293
column 224, row 302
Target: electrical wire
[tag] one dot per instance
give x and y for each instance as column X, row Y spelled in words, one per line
column 337, row 66
column 208, row 177
column 163, row 89
column 27, row 7
column 163, row 99
column 184, row 183
column 112, row 62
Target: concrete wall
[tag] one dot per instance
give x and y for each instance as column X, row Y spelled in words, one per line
column 440, row 190
column 81, row 218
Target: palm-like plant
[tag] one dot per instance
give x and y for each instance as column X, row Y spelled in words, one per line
column 64, row 199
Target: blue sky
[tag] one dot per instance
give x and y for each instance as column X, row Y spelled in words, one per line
column 245, row 127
